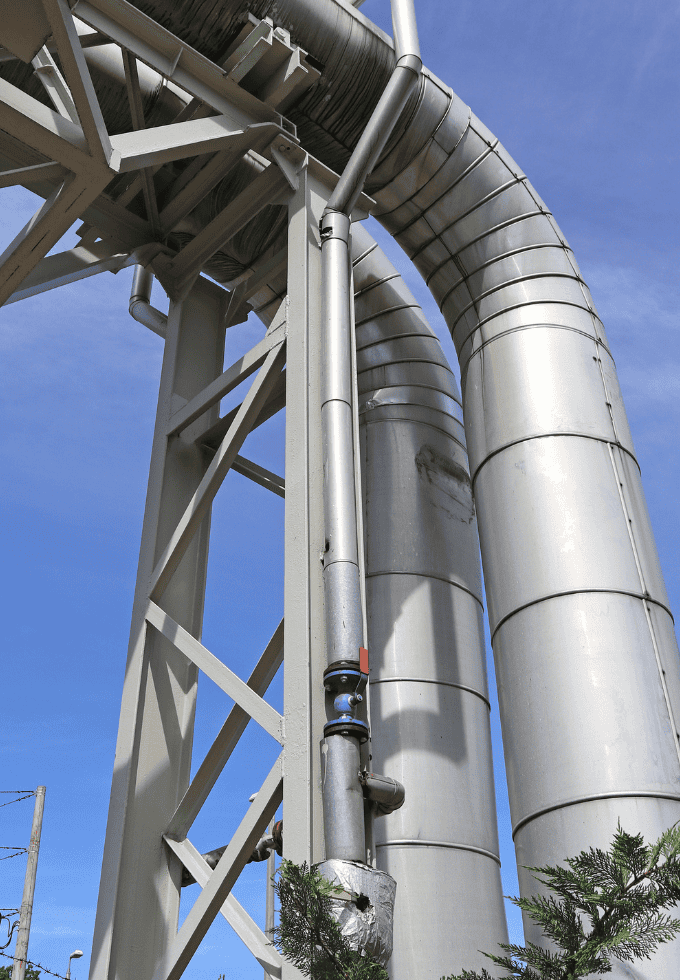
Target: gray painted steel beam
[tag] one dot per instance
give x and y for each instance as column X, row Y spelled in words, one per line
column 228, row 380
column 227, row 738
column 169, row 56
column 176, row 141
column 223, row 878
column 36, row 172
column 261, row 476
column 232, row 685
column 44, row 130
column 202, row 499
column 70, row 266
column 237, row 917
column 304, row 660
column 139, row 895
column 77, row 76
column 45, row 229
column 264, row 190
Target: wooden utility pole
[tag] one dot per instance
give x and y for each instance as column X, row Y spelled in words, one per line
column 21, row 951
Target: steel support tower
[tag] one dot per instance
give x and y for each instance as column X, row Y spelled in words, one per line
column 181, row 160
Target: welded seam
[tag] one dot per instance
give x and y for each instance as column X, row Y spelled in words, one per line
column 397, row 336
column 527, row 326
column 374, row 285
column 432, row 680
column 433, row 139
column 389, row 309
column 436, row 578
column 420, row 842
column 636, row 555
column 448, row 411
column 594, row 798
column 497, row 258
column 607, row 399
column 560, row 595
column 496, row 192
column 488, row 150
column 521, row 306
column 396, row 418
column 403, row 360
column 504, row 285
column 355, row 262
column 478, row 238
column 550, row 435
column 473, row 241
column 410, row 384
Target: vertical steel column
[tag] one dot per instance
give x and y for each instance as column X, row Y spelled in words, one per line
column 304, row 638
column 139, row 894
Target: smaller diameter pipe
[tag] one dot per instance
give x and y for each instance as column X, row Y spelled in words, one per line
column 21, row 950
column 343, row 798
column 140, row 302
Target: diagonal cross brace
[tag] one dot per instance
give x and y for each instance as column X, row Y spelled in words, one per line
column 44, row 230
column 226, row 741
column 232, row 685
column 227, row 381
column 78, row 78
column 237, row 917
column 203, row 497
column 223, row 878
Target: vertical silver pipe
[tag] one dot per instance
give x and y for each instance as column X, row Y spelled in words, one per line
column 343, row 800
column 342, row 590
column 21, row 949
column 344, row 815
column 342, row 797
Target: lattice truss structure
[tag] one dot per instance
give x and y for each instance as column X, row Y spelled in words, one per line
column 66, row 155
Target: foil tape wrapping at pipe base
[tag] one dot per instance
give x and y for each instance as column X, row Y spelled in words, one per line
column 365, row 920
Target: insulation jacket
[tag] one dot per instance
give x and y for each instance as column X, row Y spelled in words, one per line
column 428, row 689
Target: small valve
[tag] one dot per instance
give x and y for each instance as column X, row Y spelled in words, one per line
column 344, row 674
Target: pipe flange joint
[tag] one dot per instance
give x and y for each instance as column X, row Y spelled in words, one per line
column 353, row 727
column 334, row 224
column 341, row 676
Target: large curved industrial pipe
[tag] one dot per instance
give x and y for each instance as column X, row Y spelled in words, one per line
column 586, row 658
column 428, row 694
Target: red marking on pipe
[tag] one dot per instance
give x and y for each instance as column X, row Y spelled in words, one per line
column 363, row 660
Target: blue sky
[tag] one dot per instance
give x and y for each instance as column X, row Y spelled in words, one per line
column 585, row 97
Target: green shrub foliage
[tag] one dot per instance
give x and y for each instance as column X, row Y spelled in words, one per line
column 308, row 935
column 605, row 905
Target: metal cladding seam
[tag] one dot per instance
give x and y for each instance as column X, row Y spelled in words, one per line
column 428, row 691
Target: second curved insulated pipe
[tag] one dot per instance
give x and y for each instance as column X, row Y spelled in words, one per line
column 429, row 698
